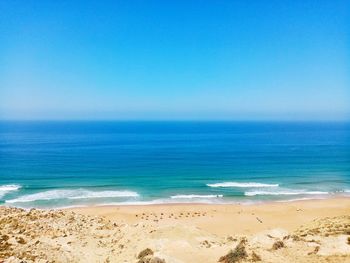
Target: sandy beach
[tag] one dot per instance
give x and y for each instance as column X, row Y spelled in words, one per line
column 174, row 131
column 301, row 231
column 226, row 219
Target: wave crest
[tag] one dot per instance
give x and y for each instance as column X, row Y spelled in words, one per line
column 286, row 192
column 194, row 196
column 242, row 185
column 5, row 189
column 71, row 194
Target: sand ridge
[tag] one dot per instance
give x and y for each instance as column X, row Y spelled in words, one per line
column 179, row 233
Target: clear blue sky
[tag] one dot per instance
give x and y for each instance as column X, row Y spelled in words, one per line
column 237, row 60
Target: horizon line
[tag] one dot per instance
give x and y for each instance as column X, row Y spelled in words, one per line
column 174, row 120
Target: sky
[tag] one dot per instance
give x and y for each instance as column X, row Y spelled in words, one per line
column 175, row 60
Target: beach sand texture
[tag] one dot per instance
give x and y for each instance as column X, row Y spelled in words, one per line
column 303, row 231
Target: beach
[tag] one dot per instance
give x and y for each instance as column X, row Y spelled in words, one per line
column 226, row 219
column 176, row 192
column 174, row 131
column 72, row 164
column 299, row 231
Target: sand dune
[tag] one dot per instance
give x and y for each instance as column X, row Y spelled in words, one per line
column 301, row 232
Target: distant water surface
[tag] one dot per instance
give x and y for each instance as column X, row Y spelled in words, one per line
column 61, row 164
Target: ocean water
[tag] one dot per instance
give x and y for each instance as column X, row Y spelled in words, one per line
column 62, row 164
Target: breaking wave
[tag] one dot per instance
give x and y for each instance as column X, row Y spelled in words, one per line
column 71, row 194
column 5, row 189
column 242, row 185
column 285, row 192
column 194, row 196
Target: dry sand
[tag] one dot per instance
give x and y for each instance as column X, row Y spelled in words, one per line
column 304, row 231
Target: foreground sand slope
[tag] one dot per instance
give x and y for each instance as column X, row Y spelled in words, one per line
column 67, row 236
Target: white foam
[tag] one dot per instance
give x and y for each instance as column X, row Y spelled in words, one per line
column 106, row 194
column 285, row 192
column 242, row 185
column 154, row 202
column 71, row 194
column 302, row 199
column 194, row 196
column 5, row 189
column 164, row 201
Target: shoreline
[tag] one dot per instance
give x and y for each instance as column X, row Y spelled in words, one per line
column 250, row 203
column 184, row 204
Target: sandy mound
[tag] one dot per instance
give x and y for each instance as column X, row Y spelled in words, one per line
column 329, row 226
column 63, row 236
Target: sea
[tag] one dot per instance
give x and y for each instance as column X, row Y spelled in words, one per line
column 57, row 164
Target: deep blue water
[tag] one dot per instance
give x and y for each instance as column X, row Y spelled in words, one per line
column 56, row 164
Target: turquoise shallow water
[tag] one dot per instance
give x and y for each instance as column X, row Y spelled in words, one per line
column 60, row 164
